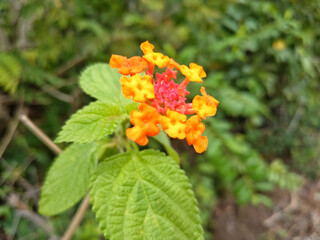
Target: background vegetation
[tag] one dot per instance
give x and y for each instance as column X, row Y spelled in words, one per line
column 262, row 61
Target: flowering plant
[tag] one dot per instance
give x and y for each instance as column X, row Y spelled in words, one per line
column 135, row 194
column 163, row 101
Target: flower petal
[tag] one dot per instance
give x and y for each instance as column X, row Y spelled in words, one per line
column 145, row 124
column 154, row 58
column 174, row 124
column 139, row 88
column 194, row 73
column 205, row 105
column 130, row 66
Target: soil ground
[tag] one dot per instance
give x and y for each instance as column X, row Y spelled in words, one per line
column 294, row 216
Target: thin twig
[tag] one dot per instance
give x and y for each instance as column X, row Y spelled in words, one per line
column 23, row 211
column 294, row 123
column 19, row 170
column 37, row 131
column 73, row 62
column 85, row 202
column 4, row 39
column 11, row 130
column 77, row 218
column 57, row 94
column 294, row 202
column 31, row 192
column 15, row 225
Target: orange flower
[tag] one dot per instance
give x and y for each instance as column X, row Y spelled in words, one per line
column 146, row 47
column 173, row 64
column 137, row 87
column 162, row 100
column 127, row 66
column 153, row 57
column 205, row 106
column 200, row 144
column 145, row 124
column 194, row 73
column 194, row 131
column 174, row 124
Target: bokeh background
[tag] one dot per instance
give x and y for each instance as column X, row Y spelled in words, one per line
column 259, row 177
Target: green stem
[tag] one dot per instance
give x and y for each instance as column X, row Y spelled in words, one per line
column 135, row 146
column 127, row 144
column 131, row 146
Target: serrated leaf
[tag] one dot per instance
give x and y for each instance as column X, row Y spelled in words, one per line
column 68, row 179
column 144, row 195
column 92, row 123
column 10, row 72
column 103, row 83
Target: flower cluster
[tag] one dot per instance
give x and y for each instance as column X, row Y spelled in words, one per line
column 162, row 101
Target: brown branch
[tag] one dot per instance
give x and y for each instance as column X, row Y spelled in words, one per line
column 85, row 202
column 11, row 130
column 274, row 218
column 4, row 39
column 37, row 131
column 57, row 94
column 77, row 218
column 73, row 62
column 23, row 211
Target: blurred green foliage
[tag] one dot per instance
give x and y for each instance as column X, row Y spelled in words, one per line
column 262, row 60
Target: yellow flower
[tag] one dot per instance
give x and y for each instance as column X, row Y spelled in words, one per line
column 195, row 73
column 137, row 87
column 205, row 106
column 163, row 101
column 153, row 57
column 279, row 45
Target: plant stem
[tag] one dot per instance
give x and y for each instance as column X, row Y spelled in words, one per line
column 77, row 218
column 37, row 131
column 11, row 130
column 23, row 211
column 47, row 141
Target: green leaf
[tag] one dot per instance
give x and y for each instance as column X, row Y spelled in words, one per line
column 144, row 195
column 103, row 83
column 163, row 138
column 242, row 191
column 92, row 123
column 10, row 72
column 280, row 175
column 238, row 103
column 261, row 199
column 263, row 186
column 68, row 179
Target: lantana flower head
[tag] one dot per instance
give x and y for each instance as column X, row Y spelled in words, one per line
column 162, row 101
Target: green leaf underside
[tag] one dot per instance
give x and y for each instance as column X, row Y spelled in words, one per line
column 92, row 123
column 103, row 83
column 144, row 195
column 68, row 179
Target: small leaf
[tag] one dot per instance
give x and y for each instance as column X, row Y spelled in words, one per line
column 263, row 186
column 92, row 123
column 261, row 199
column 103, row 83
column 144, row 195
column 68, row 179
column 10, row 72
